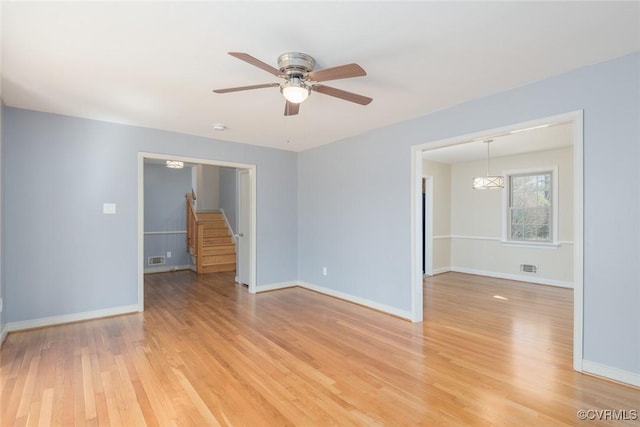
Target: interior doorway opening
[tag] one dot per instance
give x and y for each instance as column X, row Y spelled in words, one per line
column 245, row 237
column 426, row 252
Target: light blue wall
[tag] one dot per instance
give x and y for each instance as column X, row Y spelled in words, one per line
column 345, row 206
column 354, row 199
column 2, row 251
column 64, row 256
column 228, row 195
column 165, row 210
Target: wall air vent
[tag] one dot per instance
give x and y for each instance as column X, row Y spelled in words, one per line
column 155, row 260
column 529, row 268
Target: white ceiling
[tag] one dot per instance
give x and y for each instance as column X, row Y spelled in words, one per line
column 552, row 137
column 155, row 64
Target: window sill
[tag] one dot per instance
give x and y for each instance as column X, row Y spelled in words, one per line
column 535, row 245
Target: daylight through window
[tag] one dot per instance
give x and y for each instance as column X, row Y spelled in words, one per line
column 530, row 207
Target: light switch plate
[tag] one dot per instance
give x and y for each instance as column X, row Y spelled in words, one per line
column 109, row 208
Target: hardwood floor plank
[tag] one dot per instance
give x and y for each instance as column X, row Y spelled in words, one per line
column 44, row 418
column 206, row 352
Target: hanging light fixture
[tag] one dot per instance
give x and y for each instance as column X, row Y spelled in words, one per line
column 174, row 164
column 489, row 181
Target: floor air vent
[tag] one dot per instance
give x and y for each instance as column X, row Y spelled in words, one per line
column 529, row 268
column 156, row 260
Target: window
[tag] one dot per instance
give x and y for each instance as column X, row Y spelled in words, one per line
column 531, row 207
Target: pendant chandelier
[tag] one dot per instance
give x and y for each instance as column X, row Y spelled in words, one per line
column 488, row 182
column 175, row 164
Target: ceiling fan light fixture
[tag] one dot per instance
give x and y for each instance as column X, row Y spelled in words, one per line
column 175, row 164
column 300, row 78
column 294, row 90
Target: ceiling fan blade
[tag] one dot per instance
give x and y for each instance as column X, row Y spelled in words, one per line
column 335, row 73
column 256, row 62
column 342, row 94
column 237, row 89
column 291, row 108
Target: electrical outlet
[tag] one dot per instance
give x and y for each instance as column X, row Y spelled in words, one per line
column 324, row 271
column 0, row 305
column 168, row 254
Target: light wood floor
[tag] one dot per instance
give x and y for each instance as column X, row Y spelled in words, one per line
column 205, row 352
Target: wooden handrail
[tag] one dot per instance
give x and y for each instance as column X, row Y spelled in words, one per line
column 192, row 229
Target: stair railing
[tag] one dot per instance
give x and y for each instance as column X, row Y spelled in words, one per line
column 192, row 225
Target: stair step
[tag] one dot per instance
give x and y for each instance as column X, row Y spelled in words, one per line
column 215, row 232
column 219, row 249
column 214, row 268
column 218, row 240
column 216, row 248
column 209, row 215
column 212, row 223
column 219, row 259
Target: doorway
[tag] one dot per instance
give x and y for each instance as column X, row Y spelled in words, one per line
column 249, row 208
column 417, row 253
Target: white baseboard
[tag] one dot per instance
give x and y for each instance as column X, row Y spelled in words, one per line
column 517, row 277
column 68, row 318
column 3, row 334
column 275, row 286
column 166, row 269
column 440, row 270
column 358, row 300
column 611, row 373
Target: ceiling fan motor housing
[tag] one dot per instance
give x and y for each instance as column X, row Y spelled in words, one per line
column 296, row 64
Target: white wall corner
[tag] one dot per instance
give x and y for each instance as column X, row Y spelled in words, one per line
column 615, row 374
column 275, row 286
column 441, row 270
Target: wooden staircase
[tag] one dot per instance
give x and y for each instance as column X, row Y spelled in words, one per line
column 209, row 240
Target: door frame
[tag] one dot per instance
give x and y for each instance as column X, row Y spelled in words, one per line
column 428, row 231
column 251, row 168
column 574, row 117
column 241, row 207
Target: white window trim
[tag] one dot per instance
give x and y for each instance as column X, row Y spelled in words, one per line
column 554, row 207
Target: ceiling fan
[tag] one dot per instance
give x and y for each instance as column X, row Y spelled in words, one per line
column 296, row 69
